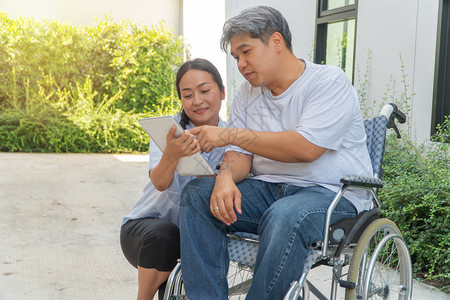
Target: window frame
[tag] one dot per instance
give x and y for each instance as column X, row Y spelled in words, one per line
column 325, row 17
column 442, row 67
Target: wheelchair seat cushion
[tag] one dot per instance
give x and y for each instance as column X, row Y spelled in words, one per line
column 243, row 247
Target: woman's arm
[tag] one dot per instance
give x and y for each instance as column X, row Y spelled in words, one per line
column 185, row 145
column 162, row 174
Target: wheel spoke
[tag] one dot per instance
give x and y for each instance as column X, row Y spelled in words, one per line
column 388, row 277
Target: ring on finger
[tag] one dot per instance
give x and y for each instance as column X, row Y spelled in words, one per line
column 216, row 208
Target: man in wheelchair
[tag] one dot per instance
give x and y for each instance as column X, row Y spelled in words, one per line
column 297, row 128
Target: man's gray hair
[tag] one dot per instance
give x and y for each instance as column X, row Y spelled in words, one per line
column 258, row 22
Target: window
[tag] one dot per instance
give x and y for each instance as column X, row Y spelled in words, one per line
column 335, row 34
column 441, row 101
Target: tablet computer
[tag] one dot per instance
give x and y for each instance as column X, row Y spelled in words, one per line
column 157, row 128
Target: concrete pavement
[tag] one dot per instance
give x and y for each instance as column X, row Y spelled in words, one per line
column 60, row 216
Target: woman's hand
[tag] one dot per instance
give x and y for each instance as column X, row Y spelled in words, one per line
column 178, row 147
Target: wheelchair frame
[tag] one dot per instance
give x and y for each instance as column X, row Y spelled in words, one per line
column 365, row 239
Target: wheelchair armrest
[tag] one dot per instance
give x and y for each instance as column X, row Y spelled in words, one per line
column 368, row 183
column 362, row 181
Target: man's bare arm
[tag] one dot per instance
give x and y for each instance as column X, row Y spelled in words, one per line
column 226, row 198
column 284, row 146
column 236, row 164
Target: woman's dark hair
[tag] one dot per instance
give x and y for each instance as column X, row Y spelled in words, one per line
column 196, row 64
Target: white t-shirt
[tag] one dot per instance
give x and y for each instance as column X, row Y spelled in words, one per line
column 323, row 107
column 166, row 204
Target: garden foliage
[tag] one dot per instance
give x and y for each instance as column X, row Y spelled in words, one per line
column 65, row 88
column 416, row 192
column 416, row 196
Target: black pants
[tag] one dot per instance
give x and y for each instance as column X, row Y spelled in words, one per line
column 152, row 244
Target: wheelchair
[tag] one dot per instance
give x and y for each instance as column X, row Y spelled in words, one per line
column 371, row 249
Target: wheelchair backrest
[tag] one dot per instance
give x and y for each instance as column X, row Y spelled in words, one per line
column 376, row 136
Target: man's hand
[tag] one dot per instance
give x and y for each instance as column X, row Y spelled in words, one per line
column 210, row 137
column 224, row 199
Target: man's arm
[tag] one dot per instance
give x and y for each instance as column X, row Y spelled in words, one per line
column 226, row 197
column 283, row 146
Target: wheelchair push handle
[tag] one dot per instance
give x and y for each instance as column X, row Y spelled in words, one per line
column 391, row 112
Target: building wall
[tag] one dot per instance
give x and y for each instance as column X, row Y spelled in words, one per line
column 202, row 29
column 389, row 29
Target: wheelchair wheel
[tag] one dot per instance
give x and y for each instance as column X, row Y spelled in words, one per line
column 380, row 266
column 240, row 278
column 239, row 281
column 175, row 288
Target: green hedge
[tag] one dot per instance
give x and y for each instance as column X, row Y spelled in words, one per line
column 416, row 196
column 416, row 192
column 65, row 88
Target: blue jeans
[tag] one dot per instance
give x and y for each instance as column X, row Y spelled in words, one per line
column 289, row 219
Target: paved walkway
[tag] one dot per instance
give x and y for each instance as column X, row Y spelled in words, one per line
column 60, row 216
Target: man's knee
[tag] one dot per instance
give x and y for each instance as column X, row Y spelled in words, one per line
column 281, row 218
column 199, row 189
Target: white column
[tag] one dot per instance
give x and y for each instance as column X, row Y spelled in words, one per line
column 202, row 28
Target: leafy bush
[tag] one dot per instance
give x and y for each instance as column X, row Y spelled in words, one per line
column 82, row 89
column 416, row 197
column 148, row 52
column 416, row 190
column 38, row 127
column 75, row 123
